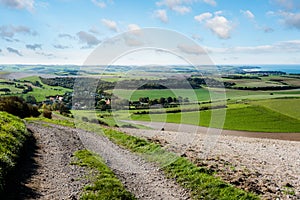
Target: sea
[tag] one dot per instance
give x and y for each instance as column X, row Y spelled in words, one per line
column 290, row 69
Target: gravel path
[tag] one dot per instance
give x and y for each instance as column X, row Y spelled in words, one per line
column 54, row 177
column 267, row 167
column 143, row 179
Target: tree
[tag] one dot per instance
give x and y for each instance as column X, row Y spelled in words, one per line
column 31, row 99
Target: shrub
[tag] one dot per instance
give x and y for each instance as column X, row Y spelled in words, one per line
column 47, row 114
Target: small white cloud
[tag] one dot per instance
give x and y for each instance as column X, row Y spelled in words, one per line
column 161, row 15
column 181, row 9
column 19, row 4
column 110, row 24
column 210, row 2
column 100, row 4
column 248, row 14
column 191, row 49
column 133, row 27
column 203, row 16
column 220, row 26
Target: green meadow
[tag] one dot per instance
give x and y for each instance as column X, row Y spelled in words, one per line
column 252, row 117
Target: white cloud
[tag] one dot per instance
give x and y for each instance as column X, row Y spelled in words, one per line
column 87, row 38
column 290, row 46
column 210, row 2
column 248, row 14
column 100, row 4
column 110, row 24
column 191, row 49
column 133, row 27
column 220, row 26
column 161, row 15
column 181, row 9
column 290, row 19
column 19, row 4
column 203, row 16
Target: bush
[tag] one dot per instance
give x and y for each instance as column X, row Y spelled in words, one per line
column 18, row 107
column 47, row 114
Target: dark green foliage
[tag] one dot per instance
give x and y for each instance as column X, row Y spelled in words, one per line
column 13, row 135
column 17, row 106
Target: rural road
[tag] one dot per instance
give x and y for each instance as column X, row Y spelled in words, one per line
column 261, row 165
column 49, row 175
column 199, row 129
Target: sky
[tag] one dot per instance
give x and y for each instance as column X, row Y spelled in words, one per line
column 229, row 32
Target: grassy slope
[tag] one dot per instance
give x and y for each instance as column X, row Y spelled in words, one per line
column 249, row 118
column 13, row 134
column 289, row 107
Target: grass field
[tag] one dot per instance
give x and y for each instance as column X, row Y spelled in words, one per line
column 204, row 94
column 248, row 118
column 38, row 93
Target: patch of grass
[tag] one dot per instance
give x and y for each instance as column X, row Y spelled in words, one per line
column 201, row 183
column 106, row 185
column 13, row 135
column 63, row 122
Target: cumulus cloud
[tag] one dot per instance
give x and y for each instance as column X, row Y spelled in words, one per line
column 268, row 29
column 191, row 49
column 10, row 31
column 19, row 4
column 248, row 14
column 59, row 46
column 219, row 25
column 15, row 51
column 33, row 46
column 88, row 39
column 100, row 4
column 161, row 15
column 110, row 24
column 290, row 19
column 203, row 16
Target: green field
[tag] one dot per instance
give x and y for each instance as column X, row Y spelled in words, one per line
column 248, row 118
column 38, row 93
column 203, row 94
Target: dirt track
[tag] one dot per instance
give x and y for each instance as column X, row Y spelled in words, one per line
column 264, row 166
column 48, row 173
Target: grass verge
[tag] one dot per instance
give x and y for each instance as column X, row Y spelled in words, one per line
column 106, row 186
column 201, row 183
column 13, row 135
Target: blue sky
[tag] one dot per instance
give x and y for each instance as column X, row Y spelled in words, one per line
column 232, row 32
